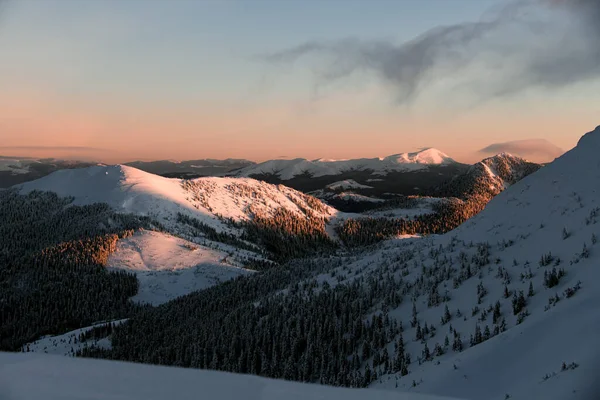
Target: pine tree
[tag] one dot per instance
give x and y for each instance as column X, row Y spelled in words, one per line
column 457, row 345
column 486, row 333
column 413, row 321
column 497, row 312
column 426, row 353
column 518, row 302
column 438, row 350
column 531, row 292
column 478, row 337
column 447, row 316
column 367, row 379
column 419, row 332
column 404, row 370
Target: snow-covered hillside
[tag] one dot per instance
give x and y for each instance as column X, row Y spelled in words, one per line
column 347, row 184
column 168, row 267
column 404, row 162
column 542, row 231
column 69, row 343
column 490, row 176
column 35, row 376
column 504, row 307
column 130, row 190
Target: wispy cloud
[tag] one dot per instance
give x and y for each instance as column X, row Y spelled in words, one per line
column 523, row 44
column 82, row 153
column 540, row 149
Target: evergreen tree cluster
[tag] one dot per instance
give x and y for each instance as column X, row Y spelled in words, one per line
column 279, row 234
column 446, row 216
column 312, row 319
column 313, row 333
column 52, row 274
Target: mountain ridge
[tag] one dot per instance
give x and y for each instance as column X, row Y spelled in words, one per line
column 128, row 189
column 401, row 162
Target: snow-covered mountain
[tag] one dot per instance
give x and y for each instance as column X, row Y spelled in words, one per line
column 489, row 177
column 404, row 162
column 503, row 307
column 210, row 200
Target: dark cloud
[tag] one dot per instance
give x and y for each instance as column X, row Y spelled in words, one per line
column 523, row 44
column 540, row 149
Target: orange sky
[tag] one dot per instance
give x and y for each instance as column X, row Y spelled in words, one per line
column 116, row 82
column 335, row 127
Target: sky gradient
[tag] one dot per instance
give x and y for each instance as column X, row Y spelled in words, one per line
column 117, row 81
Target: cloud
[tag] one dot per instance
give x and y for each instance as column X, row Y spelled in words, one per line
column 540, row 149
column 523, row 44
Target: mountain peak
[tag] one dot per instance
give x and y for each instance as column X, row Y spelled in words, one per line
column 430, row 156
column 402, row 162
column 504, row 156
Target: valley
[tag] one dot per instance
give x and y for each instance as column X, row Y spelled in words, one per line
column 410, row 295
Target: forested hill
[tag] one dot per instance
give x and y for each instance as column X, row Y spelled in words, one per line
column 52, row 258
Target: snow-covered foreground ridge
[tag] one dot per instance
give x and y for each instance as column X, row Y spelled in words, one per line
column 35, row 376
column 403, row 162
column 131, row 190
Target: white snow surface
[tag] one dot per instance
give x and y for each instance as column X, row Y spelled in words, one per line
column 403, row 162
column 425, row 206
column 67, row 344
column 27, row 376
column 168, row 267
column 130, row 190
column 347, row 184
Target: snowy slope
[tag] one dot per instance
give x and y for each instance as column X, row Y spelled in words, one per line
column 553, row 211
column 404, row 162
column 130, row 190
column 559, row 195
column 425, row 206
column 34, row 376
column 168, row 267
column 489, row 177
column 67, row 344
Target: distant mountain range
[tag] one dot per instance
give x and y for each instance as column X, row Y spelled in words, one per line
column 342, row 183
column 191, row 168
column 14, row 170
column 404, row 162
